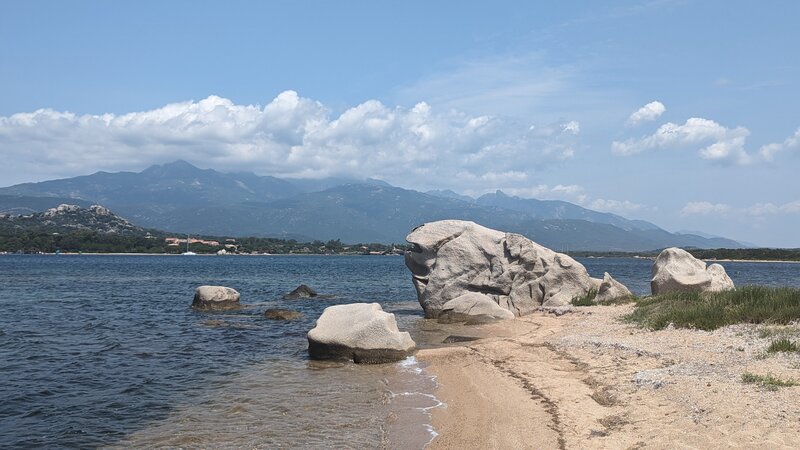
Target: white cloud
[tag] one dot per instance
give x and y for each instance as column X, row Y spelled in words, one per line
column 646, row 113
column 291, row 136
column 571, row 127
column 704, row 208
column 768, row 152
column 761, row 209
column 756, row 210
column 718, row 143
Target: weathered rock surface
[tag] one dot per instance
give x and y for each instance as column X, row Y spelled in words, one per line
column 282, row 314
column 301, row 291
column 676, row 270
column 453, row 257
column 473, row 307
column 611, row 289
column 455, row 339
column 215, row 298
column 362, row 332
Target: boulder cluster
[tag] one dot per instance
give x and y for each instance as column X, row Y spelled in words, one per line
column 464, row 272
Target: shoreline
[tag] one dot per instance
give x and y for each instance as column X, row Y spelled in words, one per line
column 359, row 254
column 179, row 254
column 587, row 380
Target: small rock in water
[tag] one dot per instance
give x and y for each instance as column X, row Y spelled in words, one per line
column 210, row 298
column 301, row 291
column 282, row 314
column 362, row 332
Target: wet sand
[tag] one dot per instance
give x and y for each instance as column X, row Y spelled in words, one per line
column 587, row 380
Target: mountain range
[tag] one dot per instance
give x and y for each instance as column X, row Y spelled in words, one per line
column 182, row 198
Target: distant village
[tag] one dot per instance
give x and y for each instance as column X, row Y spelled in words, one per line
column 256, row 246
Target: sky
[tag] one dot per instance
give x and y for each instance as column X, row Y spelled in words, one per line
column 684, row 113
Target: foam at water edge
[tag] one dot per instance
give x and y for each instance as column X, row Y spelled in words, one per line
column 413, row 366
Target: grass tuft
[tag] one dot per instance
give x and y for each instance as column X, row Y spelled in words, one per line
column 768, row 381
column 782, row 345
column 586, row 300
column 712, row 310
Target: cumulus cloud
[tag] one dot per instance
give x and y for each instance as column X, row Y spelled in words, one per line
column 717, row 142
column 761, row 209
column 704, row 208
column 646, row 113
column 769, row 151
column 291, row 136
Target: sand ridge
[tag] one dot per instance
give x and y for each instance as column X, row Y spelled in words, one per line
column 588, row 380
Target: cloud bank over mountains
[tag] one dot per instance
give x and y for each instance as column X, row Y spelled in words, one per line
column 421, row 147
column 293, row 136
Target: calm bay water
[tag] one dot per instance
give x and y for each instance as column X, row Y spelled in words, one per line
column 103, row 351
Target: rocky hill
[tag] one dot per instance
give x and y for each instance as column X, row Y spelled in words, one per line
column 69, row 218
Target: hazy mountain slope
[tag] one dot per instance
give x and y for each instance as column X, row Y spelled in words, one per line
column 571, row 234
column 177, row 183
column 556, row 209
column 181, row 198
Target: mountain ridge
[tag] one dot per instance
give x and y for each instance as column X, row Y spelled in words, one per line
column 180, row 197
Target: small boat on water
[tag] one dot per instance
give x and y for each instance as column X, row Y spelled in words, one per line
column 187, row 252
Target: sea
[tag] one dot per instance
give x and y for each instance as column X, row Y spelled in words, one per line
column 105, row 351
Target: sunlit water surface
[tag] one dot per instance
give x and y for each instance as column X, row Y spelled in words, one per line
column 104, row 351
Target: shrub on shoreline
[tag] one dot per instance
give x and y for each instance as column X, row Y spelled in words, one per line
column 709, row 311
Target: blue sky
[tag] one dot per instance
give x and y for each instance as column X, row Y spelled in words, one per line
column 535, row 98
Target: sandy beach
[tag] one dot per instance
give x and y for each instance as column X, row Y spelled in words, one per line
column 587, row 380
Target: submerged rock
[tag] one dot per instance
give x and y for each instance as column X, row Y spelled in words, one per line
column 453, row 257
column 676, row 270
column 610, row 289
column 215, row 298
column 282, row 314
column 473, row 307
column 362, row 332
column 301, row 291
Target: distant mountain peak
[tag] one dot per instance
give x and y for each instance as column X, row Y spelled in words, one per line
column 177, row 167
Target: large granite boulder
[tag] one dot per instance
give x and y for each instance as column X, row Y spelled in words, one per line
column 473, row 308
column 676, row 270
column 362, row 332
column 611, row 289
column 454, row 257
column 207, row 298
